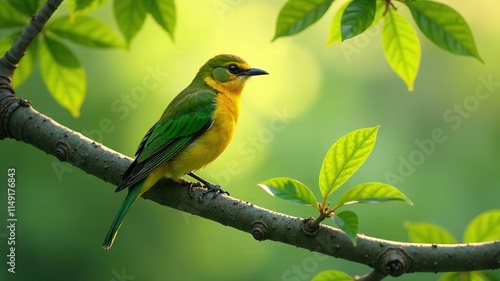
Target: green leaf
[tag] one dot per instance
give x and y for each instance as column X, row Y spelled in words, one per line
column 10, row 17
column 401, row 47
column 372, row 192
column 129, row 15
column 163, row 11
column 297, row 15
column 490, row 275
column 335, row 30
column 335, row 36
column 87, row 31
column 477, row 276
column 290, row 190
column 344, row 158
column 26, row 65
column 27, row 7
column 332, row 275
column 429, row 233
column 483, row 228
column 450, row 276
column 84, row 6
column 348, row 223
column 464, row 276
column 444, row 26
column 63, row 75
column 357, row 17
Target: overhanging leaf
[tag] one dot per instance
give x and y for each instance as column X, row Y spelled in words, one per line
column 87, row 31
column 372, row 192
column 297, row 15
column 290, row 190
column 344, row 158
column 10, row 17
column 401, row 47
column 332, row 275
column 357, row 17
column 429, row 233
column 130, row 16
column 485, row 227
column 163, row 11
column 335, row 35
column 348, row 222
column 63, row 75
column 444, row 26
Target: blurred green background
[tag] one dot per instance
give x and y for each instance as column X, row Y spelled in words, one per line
column 313, row 95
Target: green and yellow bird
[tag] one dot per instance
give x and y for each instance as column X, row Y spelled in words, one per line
column 194, row 129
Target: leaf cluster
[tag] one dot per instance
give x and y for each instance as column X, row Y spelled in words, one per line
column 61, row 70
column 342, row 160
column 440, row 23
column 65, row 77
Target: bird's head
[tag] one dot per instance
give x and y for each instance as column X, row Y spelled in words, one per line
column 227, row 73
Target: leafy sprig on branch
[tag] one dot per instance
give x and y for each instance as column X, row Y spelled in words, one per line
column 440, row 23
column 342, row 160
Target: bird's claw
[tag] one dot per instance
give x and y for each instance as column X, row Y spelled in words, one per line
column 191, row 187
column 211, row 188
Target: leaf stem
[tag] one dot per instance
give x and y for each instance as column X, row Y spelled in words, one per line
column 314, row 224
column 388, row 4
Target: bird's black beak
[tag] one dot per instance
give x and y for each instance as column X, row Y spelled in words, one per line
column 253, row 72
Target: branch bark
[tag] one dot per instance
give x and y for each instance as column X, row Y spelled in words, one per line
column 20, row 121
column 386, row 257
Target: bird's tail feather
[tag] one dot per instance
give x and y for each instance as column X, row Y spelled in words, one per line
column 117, row 222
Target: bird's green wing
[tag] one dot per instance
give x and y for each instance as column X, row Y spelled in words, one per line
column 187, row 117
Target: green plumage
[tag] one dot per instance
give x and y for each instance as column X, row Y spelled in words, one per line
column 113, row 230
column 186, row 117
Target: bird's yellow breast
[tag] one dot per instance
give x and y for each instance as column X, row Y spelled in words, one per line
column 211, row 143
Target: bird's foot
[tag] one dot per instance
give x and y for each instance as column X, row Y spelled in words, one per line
column 211, row 188
column 191, row 187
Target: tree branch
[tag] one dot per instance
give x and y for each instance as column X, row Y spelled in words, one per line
column 9, row 62
column 386, row 257
column 20, row 121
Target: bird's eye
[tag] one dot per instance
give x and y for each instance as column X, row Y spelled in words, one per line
column 233, row 68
